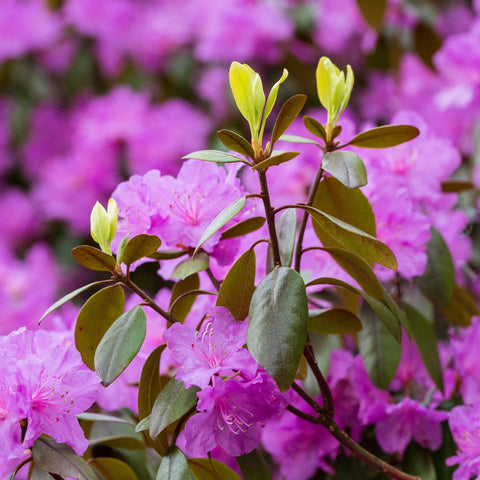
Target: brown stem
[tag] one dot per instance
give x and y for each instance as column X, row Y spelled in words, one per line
column 355, row 449
column 151, row 303
column 269, row 213
column 303, row 225
column 216, row 284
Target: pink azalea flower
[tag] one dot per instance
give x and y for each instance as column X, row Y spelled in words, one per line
column 215, row 349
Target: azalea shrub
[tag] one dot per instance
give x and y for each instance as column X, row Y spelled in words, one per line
column 240, row 248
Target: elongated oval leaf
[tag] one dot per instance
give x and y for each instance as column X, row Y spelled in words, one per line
column 358, row 269
column 190, row 266
column 427, row 344
column 140, row 246
column 168, row 254
column 150, row 383
column 439, row 277
column 174, row 466
column 385, row 137
column 336, row 321
column 71, row 295
column 173, row 401
column 288, row 113
column 220, row 220
column 113, row 469
column 94, row 259
column 236, row 142
column 286, row 227
column 278, row 323
column 461, row 307
column 60, row 459
column 101, row 417
column 95, row 318
column 120, row 344
column 210, row 469
column 237, row 289
column 242, row 228
column 216, row 156
column 276, row 159
column 354, row 239
column 183, row 306
column 315, row 127
column 456, row 186
column 121, row 248
column 380, row 352
column 347, row 167
column 116, row 435
column 298, row 139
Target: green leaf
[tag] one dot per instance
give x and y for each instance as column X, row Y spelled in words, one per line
column 94, row 259
column 143, row 424
column 216, row 156
column 95, row 318
column 116, row 435
column 381, row 309
column 71, row 295
column 236, row 142
column 427, row 344
column 220, row 220
column 288, row 113
column 101, row 417
column 298, row 139
column 172, row 403
column 276, row 158
column 120, row 344
column 150, row 383
column 184, row 305
column 253, row 466
column 380, row 352
column 346, row 167
column 121, row 248
column 456, row 186
column 190, row 266
column 210, row 469
column 418, row 461
column 286, row 226
column 358, row 269
column 112, row 468
column 347, row 204
column 353, row 239
column 34, row 474
column 373, row 12
column 237, row 289
column 439, row 277
column 60, row 459
column 278, row 323
column 140, row 246
column 174, row 466
column 385, row 137
column 315, row 127
column 336, row 321
column 242, row 228
column 168, row 254
column 461, row 307
column 272, row 96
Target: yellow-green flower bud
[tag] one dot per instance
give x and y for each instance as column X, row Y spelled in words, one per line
column 333, row 88
column 103, row 224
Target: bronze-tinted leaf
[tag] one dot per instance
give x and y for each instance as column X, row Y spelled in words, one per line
column 140, row 246
column 242, row 228
column 236, row 142
column 315, row 127
column 336, row 321
column 210, row 469
column 373, row 12
column 288, row 113
column 94, row 259
column 237, row 289
column 276, row 159
column 183, row 306
column 461, row 307
column 95, row 318
column 112, row 468
column 427, row 43
column 456, row 186
column 385, row 137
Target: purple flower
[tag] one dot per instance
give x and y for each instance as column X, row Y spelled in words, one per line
column 230, row 414
column 215, row 349
column 43, row 385
column 464, row 422
column 406, row 421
